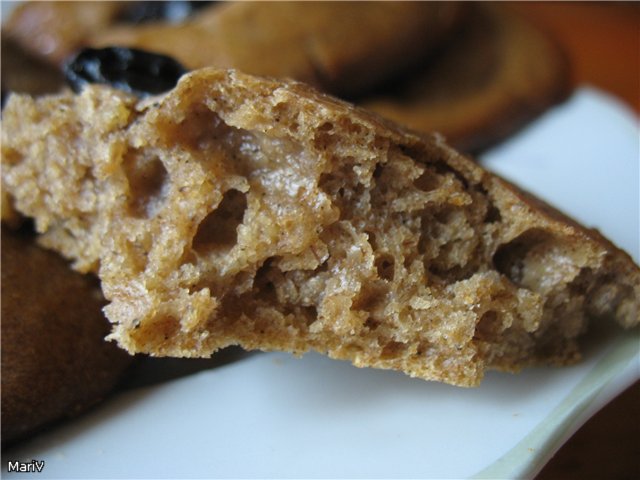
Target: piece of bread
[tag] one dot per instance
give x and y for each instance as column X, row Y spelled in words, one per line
column 55, row 362
column 243, row 210
column 344, row 48
column 495, row 74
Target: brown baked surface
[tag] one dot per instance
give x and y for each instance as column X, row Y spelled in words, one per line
column 495, row 74
column 243, row 210
column 55, row 362
column 54, row 30
column 25, row 73
column 342, row 47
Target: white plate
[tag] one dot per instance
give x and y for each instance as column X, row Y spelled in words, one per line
column 271, row 415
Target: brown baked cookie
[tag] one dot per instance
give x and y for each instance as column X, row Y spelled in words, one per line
column 25, row 73
column 242, row 210
column 497, row 73
column 53, row 30
column 342, row 47
column 55, row 362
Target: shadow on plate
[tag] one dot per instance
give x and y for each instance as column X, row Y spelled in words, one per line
column 149, row 371
column 136, row 385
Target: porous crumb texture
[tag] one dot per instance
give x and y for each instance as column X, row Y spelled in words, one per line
column 241, row 210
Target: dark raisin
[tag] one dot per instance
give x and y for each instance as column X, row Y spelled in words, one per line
column 136, row 71
column 170, row 11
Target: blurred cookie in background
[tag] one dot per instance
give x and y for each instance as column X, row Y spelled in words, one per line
column 345, row 48
column 25, row 73
column 54, row 30
column 55, row 362
column 342, row 47
column 497, row 73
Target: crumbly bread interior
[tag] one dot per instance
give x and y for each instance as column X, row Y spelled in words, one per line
column 242, row 210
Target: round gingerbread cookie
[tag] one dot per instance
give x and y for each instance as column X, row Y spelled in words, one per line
column 55, row 362
column 25, row 73
column 53, row 30
column 496, row 74
column 345, row 48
